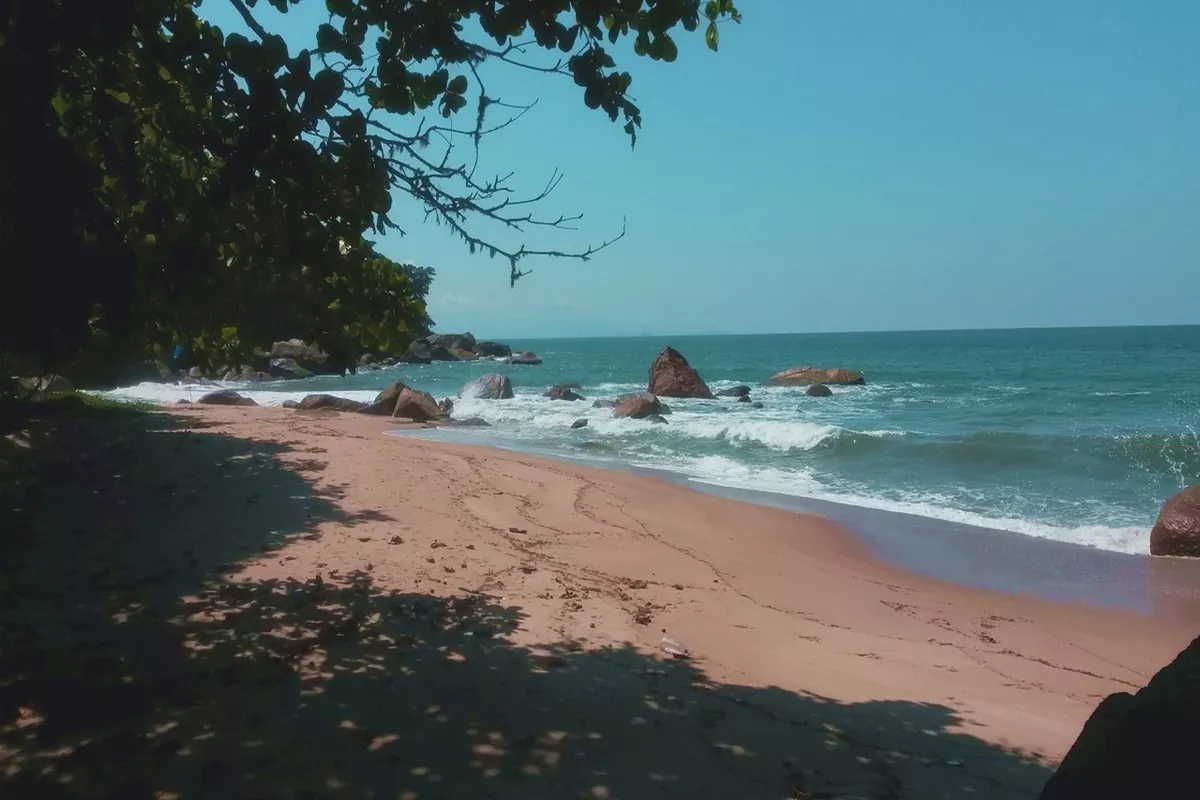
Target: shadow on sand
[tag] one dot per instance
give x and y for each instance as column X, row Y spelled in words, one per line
column 135, row 662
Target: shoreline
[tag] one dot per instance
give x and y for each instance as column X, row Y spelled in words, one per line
column 812, row 662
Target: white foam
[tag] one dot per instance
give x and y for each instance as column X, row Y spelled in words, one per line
column 169, row 393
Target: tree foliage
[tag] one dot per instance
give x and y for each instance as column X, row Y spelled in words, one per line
column 167, row 182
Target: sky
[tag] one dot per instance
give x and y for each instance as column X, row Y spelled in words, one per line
column 847, row 166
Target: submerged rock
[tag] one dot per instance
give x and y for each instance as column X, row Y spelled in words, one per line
column 657, row 419
column 808, row 375
column 606, row 402
column 672, row 376
column 1139, row 745
column 470, row 422
column 1177, row 531
column 744, row 398
column 564, row 393
column 579, row 423
column 819, row 390
column 756, row 404
column 492, row 386
column 735, row 391
column 526, row 359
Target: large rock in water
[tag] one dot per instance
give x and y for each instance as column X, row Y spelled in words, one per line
column 818, row 390
column 735, row 391
column 493, row 349
column 313, row 402
column 287, row 368
column 1140, row 745
column 803, row 376
column 564, row 393
column 672, row 376
column 452, row 341
column 492, row 386
column 417, row 353
column 528, row 358
column 417, row 406
column 1177, row 531
column 225, row 397
column 637, row 406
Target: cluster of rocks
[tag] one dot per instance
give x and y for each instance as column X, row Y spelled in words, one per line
column 461, row 347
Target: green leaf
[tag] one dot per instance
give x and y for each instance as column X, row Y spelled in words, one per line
column 120, row 97
column 669, row 51
column 458, row 85
column 229, row 333
column 641, row 44
column 711, row 37
column 59, row 105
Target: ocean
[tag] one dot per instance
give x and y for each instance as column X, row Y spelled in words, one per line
column 1074, row 435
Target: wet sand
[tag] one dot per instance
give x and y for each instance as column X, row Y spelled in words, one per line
column 305, row 603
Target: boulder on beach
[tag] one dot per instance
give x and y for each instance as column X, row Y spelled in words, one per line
column 417, row 406
column 287, row 368
column 803, row 376
column 637, row 406
column 579, row 423
column 290, row 404
column 384, row 404
column 735, row 391
column 819, row 390
column 492, row 386
column 1177, row 531
column 313, row 402
column 492, row 350
column 225, row 397
column 417, row 353
column 672, row 376
column 526, row 359
column 1138, row 745
column 564, row 393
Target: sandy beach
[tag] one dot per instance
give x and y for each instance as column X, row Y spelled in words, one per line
column 237, row 602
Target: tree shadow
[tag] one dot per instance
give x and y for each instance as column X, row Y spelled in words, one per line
column 134, row 662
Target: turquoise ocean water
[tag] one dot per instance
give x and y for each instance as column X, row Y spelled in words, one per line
column 1077, row 435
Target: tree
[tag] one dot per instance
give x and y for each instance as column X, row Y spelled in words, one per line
column 167, row 182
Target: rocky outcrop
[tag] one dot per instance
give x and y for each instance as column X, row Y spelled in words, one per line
column 417, row 353
column 452, row 341
column 744, row 398
column 579, row 423
column 492, row 350
column 564, row 393
column 492, row 386
column 1139, row 745
column 307, row 356
column 818, row 390
column 1177, row 531
column 287, row 368
column 465, row 355
column 637, row 406
column 803, row 376
column 313, row 402
column 672, row 376
column 385, row 402
column 735, row 391
column 225, row 397
column 527, row 358
column 417, row 406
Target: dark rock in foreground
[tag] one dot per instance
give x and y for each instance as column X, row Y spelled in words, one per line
column 819, row 390
column 225, row 397
column 672, row 376
column 579, row 423
column 802, row 376
column 1140, row 745
column 1177, row 531
column 313, row 402
column 564, row 393
column 637, row 406
column 492, row 386
column 735, row 391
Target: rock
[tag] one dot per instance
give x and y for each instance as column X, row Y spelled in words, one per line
column 808, row 375
column 735, row 391
column 389, row 361
column 417, row 406
column 657, row 419
column 287, row 368
column 526, row 359
column 183, row 401
column 606, row 402
column 664, row 409
column 417, row 353
column 672, row 376
column 452, row 341
column 492, row 386
column 290, row 404
column 439, row 353
column 637, row 406
column 446, row 405
column 819, row 390
column 744, row 398
column 45, row 384
column 493, row 349
column 225, row 397
column 579, row 423
column 471, row 422
column 564, row 393
column 1177, row 531
column 385, row 401
column 465, row 355
column 366, row 358
column 756, row 404
column 1139, row 745
column 252, row 375
column 196, row 373
column 313, row 402
column 306, row 355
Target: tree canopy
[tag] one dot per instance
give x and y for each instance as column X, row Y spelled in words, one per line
column 167, row 182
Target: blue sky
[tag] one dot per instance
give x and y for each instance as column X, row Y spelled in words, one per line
column 855, row 165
